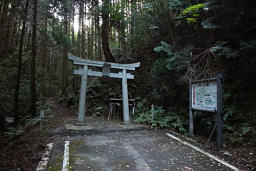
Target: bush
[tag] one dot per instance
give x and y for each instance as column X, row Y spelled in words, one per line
column 156, row 118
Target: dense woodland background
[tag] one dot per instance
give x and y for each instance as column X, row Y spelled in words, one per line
column 173, row 39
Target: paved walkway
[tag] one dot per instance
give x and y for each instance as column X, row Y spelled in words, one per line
column 127, row 149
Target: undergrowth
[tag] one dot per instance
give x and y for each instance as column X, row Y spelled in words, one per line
column 157, row 117
column 26, row 121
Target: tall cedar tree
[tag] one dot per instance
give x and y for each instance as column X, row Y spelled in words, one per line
column 105, row 31
column 18, row 78
column 33, row 62
column 64, row 55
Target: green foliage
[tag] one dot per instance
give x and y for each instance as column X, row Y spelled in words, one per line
column 176, row 60
column 227, row 127
column 30, row 122
column 221, row 49
column 25, row 122
column 42, row 104
column 117, row 12
column 191, row 13
column 246, row 128
column 8, row 72
column 208, row 23
column 13, row 133
column 58, row 35
column 228, row 112
column 156, row 117
column 194, row 9
column 176, row 5
column 241, row 134
column 98, row 110
column 70, row 98
column 164, row 47
column 247, row 48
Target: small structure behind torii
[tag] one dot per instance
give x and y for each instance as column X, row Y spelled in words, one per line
column 106, row 71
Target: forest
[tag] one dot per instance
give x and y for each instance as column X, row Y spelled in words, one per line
column 174, row 41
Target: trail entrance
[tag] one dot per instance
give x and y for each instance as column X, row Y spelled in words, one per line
column 106, row 72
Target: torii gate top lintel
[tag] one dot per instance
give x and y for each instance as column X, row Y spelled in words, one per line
column 81, row 61
column 105, row 72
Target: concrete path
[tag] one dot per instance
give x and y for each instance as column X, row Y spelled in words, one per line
column 128, row 149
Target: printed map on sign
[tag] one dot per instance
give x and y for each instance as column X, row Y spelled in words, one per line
column 204, row 96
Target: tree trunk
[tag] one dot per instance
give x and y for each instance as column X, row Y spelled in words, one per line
column 16, row 40
column 73, row 25
column 122, row 30
column 28, row 43
column 17, row 89
column 97, row 17
column 95, row 36
column 6, row 41
column 64, row 55
column 33, row 62
column 99, row 38
column 89, row 40
column 133, row 11
column 3, row 23
column 2, row 123
column 44, row 58
column 13, row 33
column 83, row 16
column 105, row 31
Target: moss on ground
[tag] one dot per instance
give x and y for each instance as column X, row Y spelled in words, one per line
column 74, row 146
column 55, row 165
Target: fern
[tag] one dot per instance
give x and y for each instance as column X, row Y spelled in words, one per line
column 13, row 133
column 160, row 119
column 164, row 47
column 176, row 60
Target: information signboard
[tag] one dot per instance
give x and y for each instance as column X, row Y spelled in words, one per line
column 204, row 96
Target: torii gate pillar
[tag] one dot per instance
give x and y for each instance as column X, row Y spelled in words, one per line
column 82, row 101
column 126, row 115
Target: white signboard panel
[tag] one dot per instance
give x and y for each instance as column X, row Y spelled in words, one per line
column 204, row 96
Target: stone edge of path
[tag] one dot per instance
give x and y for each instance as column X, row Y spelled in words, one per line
column 98, row 131
column 45, row 158
column 203, row 152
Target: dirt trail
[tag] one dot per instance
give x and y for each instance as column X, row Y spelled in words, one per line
column 60, row 109
column 24, row 152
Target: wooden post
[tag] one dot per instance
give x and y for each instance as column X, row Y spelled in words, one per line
column 219, row 111
column 126, row 116
column 191, row 122
column 82, row 101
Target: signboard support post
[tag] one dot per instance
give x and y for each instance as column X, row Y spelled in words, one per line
column 219, row 111
column 82, row 101
column 191, row 122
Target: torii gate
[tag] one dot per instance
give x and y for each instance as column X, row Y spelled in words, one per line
column 105, row 72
